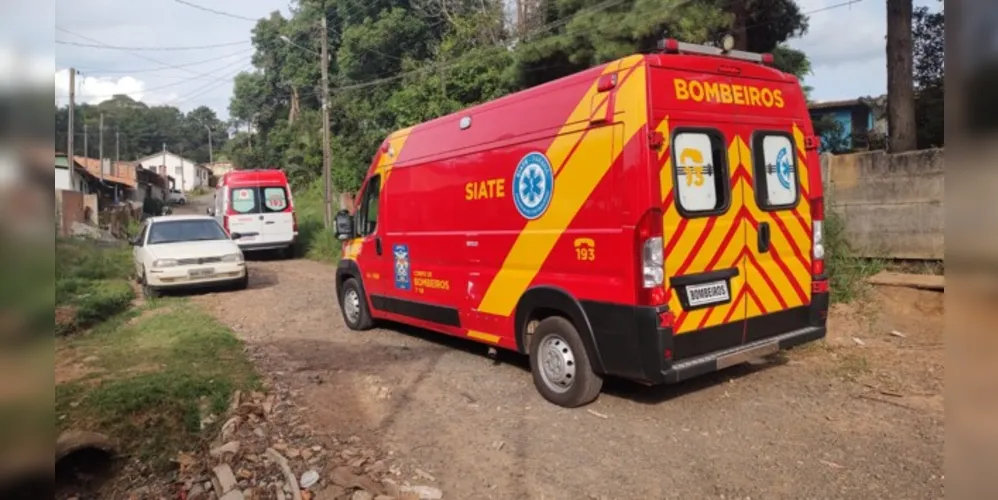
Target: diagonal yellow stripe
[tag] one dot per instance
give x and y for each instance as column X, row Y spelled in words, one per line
column 396, row 142
column 575, row 182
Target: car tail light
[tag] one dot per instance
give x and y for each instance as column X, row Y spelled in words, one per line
column 817, row 237
column 651, row 259
column 225, row 222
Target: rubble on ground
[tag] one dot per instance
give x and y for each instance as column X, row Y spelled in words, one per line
column 263, row 450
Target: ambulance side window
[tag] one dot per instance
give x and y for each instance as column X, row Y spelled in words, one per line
column 367, row 213
column 700, row 172
column 774, row 160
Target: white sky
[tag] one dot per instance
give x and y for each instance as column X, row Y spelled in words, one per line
column 846, row 46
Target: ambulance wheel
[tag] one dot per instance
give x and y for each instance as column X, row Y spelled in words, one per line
column 354, row 307
column 560, row 364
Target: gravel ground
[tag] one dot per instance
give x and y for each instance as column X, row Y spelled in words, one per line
column 858, row 416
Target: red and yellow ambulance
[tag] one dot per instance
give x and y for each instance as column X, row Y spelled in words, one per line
column 655, row 218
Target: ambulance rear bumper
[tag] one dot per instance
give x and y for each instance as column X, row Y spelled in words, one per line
column 701, row 365
column 631, row 343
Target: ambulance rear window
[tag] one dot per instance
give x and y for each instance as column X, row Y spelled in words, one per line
column 275, row 199
column 775, row 165
column 244, row 200
column 700, row 172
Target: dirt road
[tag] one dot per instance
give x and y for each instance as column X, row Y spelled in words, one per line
column 860, row 416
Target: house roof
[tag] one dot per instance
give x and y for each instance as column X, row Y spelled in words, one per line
column 159, row 156
column 121, row 172
column 843, row 103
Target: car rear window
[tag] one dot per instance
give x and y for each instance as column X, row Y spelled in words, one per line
column 259, row 199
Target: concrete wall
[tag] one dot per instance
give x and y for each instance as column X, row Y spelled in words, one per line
column 892, row 205
column 72, row 206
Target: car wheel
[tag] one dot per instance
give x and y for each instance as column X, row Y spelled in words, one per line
column 243, row 283
column 354, row 306
column 149, row 292
column 560, row 364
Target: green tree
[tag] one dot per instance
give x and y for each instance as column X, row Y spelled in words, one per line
column 928, row 32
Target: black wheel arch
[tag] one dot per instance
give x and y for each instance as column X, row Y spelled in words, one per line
column 555, row 301
column 345, row 270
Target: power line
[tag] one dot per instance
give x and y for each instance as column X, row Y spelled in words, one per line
column 118, row 47
column 157, row 61
column 554, row 24
column 219, row 12
column 203, row 90
column 146, row 70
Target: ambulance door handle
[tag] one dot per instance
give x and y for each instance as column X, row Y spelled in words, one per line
column 377, row 245
column 763, row 237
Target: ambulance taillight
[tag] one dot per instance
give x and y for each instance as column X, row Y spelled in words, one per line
column 652, row 258
column 817, row 237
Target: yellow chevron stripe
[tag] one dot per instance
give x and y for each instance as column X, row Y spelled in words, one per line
column 573, row 185
column 712, row 245
column 805, row 179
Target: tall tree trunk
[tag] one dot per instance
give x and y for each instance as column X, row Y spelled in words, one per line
column 900, row 76
column 739, row 11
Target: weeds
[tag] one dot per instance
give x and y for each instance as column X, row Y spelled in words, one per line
column 847, row 272
column 316, row 242
column 156, row 378
column 91, row 283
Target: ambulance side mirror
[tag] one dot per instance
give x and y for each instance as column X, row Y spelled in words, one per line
column 343, row 225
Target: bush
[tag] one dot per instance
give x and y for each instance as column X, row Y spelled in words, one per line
column 89, row 260
column 92, row 283
column 316, row 242
column 102, row 300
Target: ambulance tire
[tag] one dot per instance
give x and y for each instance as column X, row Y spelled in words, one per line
column 560, row 364
column 355, row 313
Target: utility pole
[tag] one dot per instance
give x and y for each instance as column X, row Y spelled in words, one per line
column 326, row 180
column 183, row 173
column 100, row 147
column 69, row 139
column 902, row 135
column 117, row 148
column 86, row 138
column 166, row 173
column 211, row 154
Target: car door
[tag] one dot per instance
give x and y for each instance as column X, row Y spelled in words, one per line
column 778, row 239
column 704, row 237
column 275, row 214
column 246, row 218
column 378, row 265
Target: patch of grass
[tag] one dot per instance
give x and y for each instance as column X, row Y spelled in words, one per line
column 102, row 299
column 316, row 242
column 847, row 271
column 83, row 259
column 852, row 365
column 92, row 283
column 159, row 375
